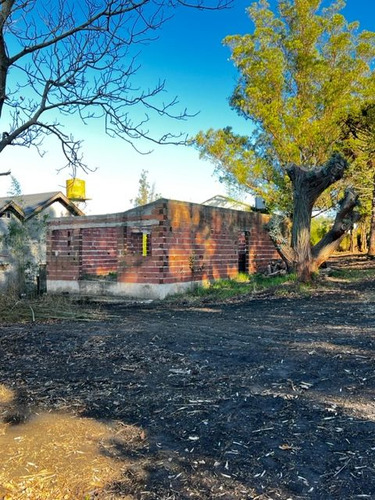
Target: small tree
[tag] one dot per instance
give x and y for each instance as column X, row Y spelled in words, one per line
column 23, row 240
column 301, row 73
column 146, row 191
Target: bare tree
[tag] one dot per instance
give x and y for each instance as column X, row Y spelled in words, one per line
column 61, row 57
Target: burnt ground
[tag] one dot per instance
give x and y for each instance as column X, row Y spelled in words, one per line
column 264, row 398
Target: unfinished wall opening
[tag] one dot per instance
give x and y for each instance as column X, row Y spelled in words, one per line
column 243, row 252
column 139, row 243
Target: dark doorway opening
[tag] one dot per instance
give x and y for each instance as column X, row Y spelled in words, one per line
column 243, row 252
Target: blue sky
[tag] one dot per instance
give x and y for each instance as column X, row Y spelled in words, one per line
column 190, row 57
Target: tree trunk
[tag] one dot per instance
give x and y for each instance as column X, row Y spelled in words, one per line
column 302, row 210
column 308, row 185
column 345, row 219
column 371, row 246
column 353, row 240
column 363, row 235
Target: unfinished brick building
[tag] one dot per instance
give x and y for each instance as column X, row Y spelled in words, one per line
column 154, row 250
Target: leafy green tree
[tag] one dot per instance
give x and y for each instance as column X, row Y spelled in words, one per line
column 15, row 187
column 16, row 240
column 302, row 71
column 360, row 131
column 24, row 242
column 146, row 191
column 319, row 228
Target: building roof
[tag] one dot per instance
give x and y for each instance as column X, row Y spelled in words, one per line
column 27, row 206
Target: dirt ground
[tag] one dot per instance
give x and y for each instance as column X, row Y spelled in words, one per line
column 266, row 398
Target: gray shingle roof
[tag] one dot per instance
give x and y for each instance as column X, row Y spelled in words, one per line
column 27, row 206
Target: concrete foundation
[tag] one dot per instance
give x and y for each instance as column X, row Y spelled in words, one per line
column 130, row 290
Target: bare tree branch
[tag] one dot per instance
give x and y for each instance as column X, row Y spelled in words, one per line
column 65, row 58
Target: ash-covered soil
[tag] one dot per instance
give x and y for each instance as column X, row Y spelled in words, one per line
column 264, row 398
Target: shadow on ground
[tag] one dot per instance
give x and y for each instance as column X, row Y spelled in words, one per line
column 270, row 398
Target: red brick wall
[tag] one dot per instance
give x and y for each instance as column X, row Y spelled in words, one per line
column 185, row 242
column 63, row 254
column 202, row 242
column 98, row 251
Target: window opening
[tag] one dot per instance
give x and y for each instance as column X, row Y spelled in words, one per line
column 140, row 244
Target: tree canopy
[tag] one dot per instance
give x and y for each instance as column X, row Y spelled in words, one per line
column 302, row 71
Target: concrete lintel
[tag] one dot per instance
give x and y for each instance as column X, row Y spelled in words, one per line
column 93, row 225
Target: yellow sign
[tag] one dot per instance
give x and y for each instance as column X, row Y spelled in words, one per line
column 144, row 244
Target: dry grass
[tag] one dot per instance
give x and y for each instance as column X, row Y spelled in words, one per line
column 58, row 456
column 48, row 307
column 6, row 395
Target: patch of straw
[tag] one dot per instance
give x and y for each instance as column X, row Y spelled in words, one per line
column 59, row 457
column 6, row 395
